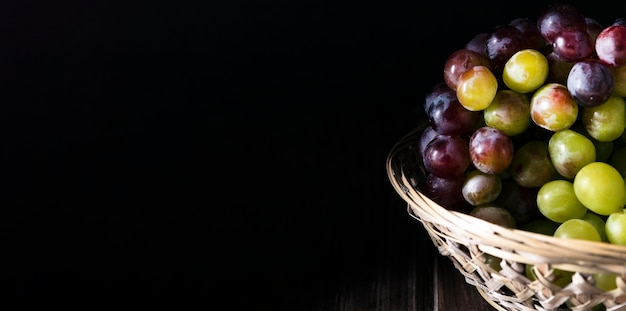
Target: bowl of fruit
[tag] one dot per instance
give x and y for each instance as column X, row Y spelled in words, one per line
column 519, row 174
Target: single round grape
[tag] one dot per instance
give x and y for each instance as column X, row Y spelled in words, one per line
column 426, row 137
column 552, row 107
column 577, row 229
column 557, row 201
column 598, row 223
column 606, row 122
column 447, row 156
column 446, row 192
column 604, row 149
column 556, row 17
column 570, row 151
column 448, row 117
column 616, row 227
column 433, row 95
column 558, row 69
column 478, row 43
column 476, row 88
column 573, row 44
column 525, row 71
column 494, row 214
column 460, row 61
column 502, row 43
column 491, row 151
column 590, row 82
column 619, row 80
column 509, row 112
column 529, row 30
column 611, row 46
column 601, row 188
column 480, row 188
column 531, row 165
column 605, row 281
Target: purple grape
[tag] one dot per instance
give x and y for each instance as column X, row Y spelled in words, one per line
column 433, row 95
column 557, row 17
column 611, row 45
column 448, row 117
column 428, row 134
column 573, row 45
column 460, row 61
column 529, row 29
column 478, row 43
column 446, row 192
column 590, row 82
column 447, row 156
column 502, row 43
column 491, row 150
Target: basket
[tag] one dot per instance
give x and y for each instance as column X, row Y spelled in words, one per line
column 469, row 242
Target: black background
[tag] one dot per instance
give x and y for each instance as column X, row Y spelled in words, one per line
column 216, row 155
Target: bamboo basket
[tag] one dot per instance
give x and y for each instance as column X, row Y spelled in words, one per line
column 468, row 242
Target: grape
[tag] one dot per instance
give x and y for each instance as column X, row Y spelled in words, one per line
column 598, row 223
column 601, row 188
column 491, row 151
column 509, row 112
column 616, row 227
column 605, row 281
column 447, row 156
column 433, row 95
column 570, row 151
column 593, row 29
column 559, row 69
column 525, row 71
column 459, row 62
column 446, row 192
column 476, row 88
column 604, row 149
column 478, row 43
column 553, row 108
column 577, row 229
column 607, row 121
column 619, row 80
column 480, row 188
column 529, row 30
column 573, row 44
column 557, row 201
column 590, row 82
column 494, row 214
column 502, row 43
column 426, row 137
column 448, row 117
column 611, row 45
column 531, row 165
column 556, row 17
column 558, row 277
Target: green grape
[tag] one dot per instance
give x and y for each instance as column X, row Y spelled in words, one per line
column 557, row 201
column 570, row 151
column 619, row 80
column 509, row 112
column 616, row 228
column 525, row 71
column 601, row 188
column 577, row 229
column 606, row 122
column 604, row 149
column 476, row 88
column 598, row 223
column 605, row 281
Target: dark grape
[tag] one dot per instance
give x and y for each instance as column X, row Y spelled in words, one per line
column 611, row 45
column 494, row 214
column 425, row 138
column 447, row 156
column 433, row 95
column 557, row 17
column 478, row 43
column 448, row 117
column 502, row 43
column 590, row 82
column 573, row 44
column 529, row 29
column 491, row 150
column 446, row 192
column 460, row 61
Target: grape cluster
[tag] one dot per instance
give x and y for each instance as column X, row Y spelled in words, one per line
column 527, row 128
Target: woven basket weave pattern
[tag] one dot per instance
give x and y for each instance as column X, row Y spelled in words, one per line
column 469, row 242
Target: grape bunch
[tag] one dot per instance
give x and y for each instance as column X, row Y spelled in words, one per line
column 527, row 129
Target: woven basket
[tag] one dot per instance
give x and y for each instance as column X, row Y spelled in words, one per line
column 468, row 242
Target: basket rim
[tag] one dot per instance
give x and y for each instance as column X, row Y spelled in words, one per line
column 507, row 243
